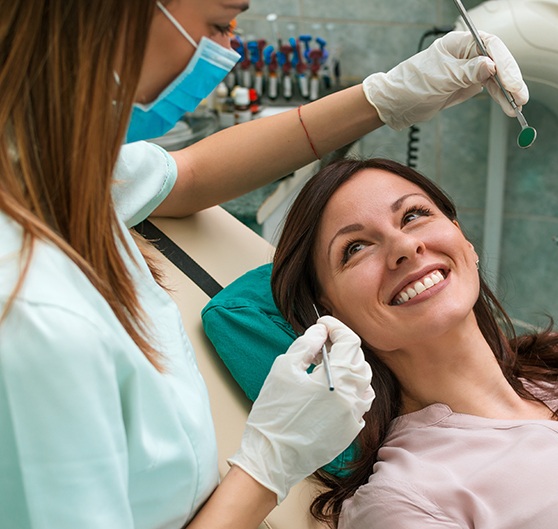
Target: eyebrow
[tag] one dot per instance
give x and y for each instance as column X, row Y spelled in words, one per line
column 242, row 6
column 351, row 228
column 399, row 202
column 346, row 229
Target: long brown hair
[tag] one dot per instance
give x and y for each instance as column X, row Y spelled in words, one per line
column 62, row 121
column 533, row 357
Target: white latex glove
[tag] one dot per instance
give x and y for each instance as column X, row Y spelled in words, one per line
column 298, row 425
column 448, row 72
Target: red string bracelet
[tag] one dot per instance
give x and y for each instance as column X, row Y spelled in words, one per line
column 307, row 135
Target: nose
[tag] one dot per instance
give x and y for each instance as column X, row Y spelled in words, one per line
column 404, row 247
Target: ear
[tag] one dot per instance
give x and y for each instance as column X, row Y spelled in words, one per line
column 470, row 244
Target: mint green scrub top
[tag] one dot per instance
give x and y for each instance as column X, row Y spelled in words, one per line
column 91, row 434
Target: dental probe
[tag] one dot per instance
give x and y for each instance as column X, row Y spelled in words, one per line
column 528, row 134
column 325, row 359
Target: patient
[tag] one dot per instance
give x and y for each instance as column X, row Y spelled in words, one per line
column 463, row 430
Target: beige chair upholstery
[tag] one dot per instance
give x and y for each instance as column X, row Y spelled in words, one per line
column 226, row 249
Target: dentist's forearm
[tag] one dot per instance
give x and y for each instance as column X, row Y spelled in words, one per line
column 239, row 502
column 244, row 157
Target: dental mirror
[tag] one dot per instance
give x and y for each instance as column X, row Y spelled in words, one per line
column 528, row 134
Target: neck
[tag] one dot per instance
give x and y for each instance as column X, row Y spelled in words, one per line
column 461, row 371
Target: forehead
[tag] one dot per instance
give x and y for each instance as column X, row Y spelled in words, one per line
column 232, row 7
column 369, row 189
column 220, row 11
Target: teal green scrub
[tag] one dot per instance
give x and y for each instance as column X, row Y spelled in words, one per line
column 91, row 435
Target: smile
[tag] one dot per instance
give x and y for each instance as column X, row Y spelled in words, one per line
column 418, row 287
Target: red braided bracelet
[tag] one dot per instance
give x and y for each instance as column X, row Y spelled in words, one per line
column 307, row 135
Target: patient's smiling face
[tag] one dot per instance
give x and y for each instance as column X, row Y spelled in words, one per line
column 391, row 265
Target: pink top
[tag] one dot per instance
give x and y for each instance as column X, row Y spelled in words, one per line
column 439, row 469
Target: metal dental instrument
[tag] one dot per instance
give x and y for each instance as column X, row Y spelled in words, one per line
column 325, row 358
column 528, row 134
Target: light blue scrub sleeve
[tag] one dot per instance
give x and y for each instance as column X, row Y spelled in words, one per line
column 91, row 435
column 67, row 469
column 144, row 175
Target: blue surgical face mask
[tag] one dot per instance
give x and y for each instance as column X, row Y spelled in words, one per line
column 208, row 67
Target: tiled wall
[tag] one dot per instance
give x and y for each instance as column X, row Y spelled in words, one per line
column 374, row 35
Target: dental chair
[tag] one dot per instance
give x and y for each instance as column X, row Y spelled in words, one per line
column 225, row 249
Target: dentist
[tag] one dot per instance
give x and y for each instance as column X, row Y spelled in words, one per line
column 104, row 416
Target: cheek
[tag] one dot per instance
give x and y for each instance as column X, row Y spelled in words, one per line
column 353, row 298
column 223, row 40
column 336, row 297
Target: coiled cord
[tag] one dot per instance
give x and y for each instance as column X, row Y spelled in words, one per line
column 413, row 135
column 412, row 146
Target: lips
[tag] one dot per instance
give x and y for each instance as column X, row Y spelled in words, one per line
column 415, row 288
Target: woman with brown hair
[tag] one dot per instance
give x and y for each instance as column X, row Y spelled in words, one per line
column 104, row 417
column 463, row 431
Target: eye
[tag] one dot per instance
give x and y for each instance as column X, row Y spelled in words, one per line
column 351, row 248
column 414, row 213
column 224, row 30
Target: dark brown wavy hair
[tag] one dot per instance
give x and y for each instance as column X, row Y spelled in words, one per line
column 533, row 357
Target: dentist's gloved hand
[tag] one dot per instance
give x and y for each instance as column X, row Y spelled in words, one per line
column 448, row 72
column 298, row 425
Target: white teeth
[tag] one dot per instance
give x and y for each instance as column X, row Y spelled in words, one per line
column 419, row 287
